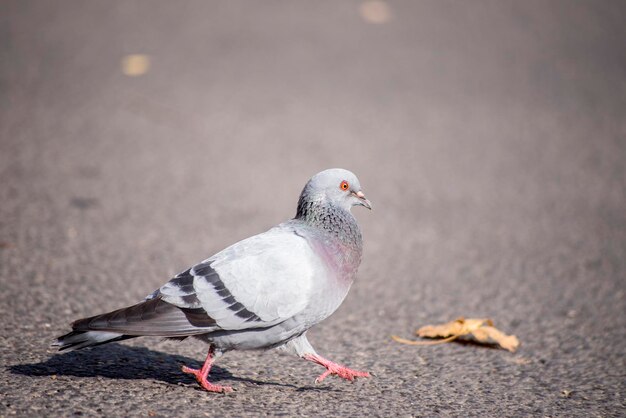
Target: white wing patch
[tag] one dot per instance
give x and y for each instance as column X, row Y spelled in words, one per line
column 271, row 274
column 258, row 282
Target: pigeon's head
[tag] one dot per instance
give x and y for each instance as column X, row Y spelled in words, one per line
column 337, row 186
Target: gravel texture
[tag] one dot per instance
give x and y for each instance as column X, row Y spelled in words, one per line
column 489, row 135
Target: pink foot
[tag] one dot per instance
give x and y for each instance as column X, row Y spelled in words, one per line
column 204, row 382
column 334, row 368
column 202, row 374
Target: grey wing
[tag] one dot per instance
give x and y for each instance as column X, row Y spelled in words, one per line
column 258, row 282
column 151, row 317
column 181, row 292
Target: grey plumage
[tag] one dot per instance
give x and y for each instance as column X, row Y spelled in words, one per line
column 262, row 292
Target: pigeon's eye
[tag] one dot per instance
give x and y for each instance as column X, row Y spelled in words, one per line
column 344, row 185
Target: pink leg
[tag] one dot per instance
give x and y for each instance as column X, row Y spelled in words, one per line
column 202, row 374
column 334, row 368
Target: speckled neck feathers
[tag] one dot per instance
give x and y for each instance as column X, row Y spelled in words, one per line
column 318, row 212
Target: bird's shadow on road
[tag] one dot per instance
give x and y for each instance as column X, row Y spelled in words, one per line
column 118, row 361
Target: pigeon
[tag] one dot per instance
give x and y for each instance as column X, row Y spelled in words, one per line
column 263, row 292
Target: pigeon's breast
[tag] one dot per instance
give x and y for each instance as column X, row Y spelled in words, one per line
column 340, row 263
column 342, row 260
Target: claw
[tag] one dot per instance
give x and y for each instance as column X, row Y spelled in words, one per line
column 206, row 385
column 202, row 374
column 334, row 368
column 322, row 376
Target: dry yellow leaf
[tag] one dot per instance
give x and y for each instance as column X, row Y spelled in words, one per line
column 481, row 329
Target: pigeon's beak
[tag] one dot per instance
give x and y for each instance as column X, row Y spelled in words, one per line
column 362, row 200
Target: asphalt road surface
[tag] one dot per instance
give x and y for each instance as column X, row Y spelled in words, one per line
column 489, row 135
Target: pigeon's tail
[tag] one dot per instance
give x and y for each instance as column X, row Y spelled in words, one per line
column 152, row 317
column 76, row 340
